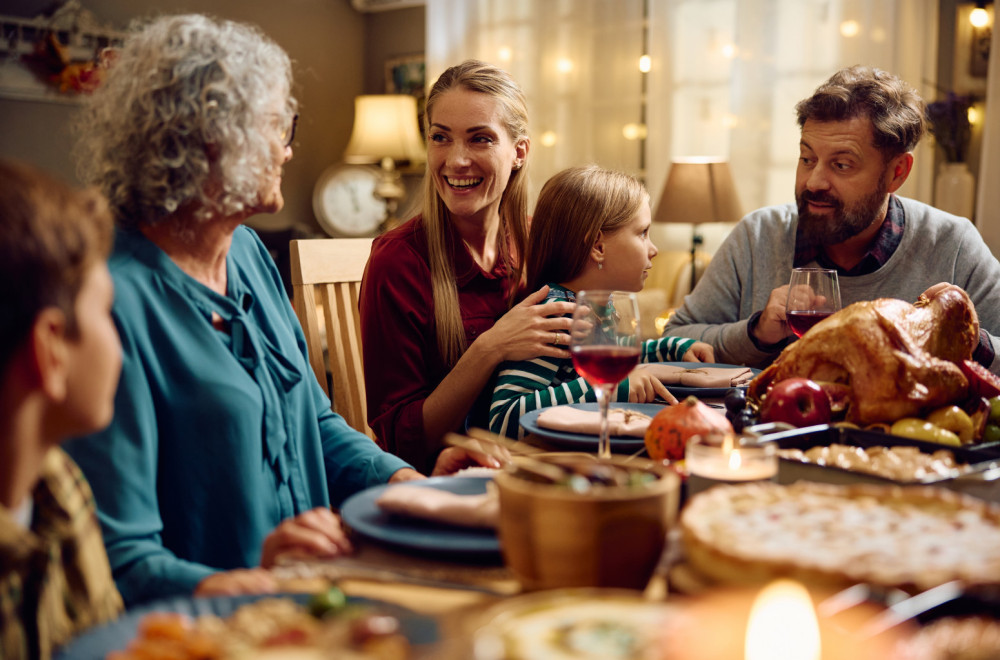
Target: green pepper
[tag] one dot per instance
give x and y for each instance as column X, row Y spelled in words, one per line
column 921, row 429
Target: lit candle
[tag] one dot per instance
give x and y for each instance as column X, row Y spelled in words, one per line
column 725, row 459
column 783, row 624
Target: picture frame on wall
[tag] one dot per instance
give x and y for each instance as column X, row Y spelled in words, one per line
column 406, row 75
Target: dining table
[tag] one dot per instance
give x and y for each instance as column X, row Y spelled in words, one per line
column 460, row 591
column 459, row 594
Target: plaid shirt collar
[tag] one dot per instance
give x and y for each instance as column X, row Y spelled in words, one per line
column 886, row 241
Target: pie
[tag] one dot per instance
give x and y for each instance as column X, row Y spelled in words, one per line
column 912, row 538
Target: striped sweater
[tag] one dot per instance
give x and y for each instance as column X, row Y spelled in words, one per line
column 528, row 385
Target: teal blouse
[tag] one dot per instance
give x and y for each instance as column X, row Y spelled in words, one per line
column 217, row 436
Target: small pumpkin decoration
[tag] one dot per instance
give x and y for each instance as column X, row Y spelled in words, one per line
column 672, row 428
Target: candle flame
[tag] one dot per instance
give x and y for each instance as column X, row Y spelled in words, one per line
column 783, row 624
column 735, row 460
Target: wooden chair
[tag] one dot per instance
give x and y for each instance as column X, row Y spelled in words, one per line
column 326, row 278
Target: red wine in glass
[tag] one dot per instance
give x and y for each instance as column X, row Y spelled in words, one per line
column 604, row 343
column 800, row 321
column 813, row 295
column 601, row 365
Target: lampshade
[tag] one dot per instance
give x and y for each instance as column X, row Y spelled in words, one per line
column 699, row 190
column 385, row 125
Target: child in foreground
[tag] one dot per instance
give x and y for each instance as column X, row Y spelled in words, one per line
column 590, row 231
column 59, row 363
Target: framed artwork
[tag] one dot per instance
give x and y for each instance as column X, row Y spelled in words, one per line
column 405, row 75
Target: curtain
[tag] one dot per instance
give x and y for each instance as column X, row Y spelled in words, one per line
column 723, row 78
column 988, row 197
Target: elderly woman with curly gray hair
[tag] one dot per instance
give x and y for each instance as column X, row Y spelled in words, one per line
column 223, row 452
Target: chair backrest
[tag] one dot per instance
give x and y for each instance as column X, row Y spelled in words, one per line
column 326, row 278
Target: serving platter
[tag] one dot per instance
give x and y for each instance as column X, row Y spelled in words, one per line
column 97, row 643
column 573, row 623
column 789, row 471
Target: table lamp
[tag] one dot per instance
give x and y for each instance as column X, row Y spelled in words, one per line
column 698, row 190
column 386, row 132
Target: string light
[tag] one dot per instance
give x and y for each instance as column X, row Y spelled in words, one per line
column 850, row 28
column 505, row 54
column 645, row 64
column 564, row 65
column 634, row 131
column 548, row 139
column 973, row 115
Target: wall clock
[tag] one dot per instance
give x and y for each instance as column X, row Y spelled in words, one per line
column 345, row 203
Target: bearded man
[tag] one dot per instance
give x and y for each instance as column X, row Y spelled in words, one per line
column 858, row 132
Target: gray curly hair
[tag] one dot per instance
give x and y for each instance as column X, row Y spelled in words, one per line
column 177, row 122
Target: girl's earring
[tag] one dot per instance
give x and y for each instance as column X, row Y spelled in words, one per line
column 600, row 265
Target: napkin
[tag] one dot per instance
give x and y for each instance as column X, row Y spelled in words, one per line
column 669, row 374
column 441, row 506
column 574, row 420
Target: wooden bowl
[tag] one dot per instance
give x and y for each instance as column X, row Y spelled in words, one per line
column 552, row 537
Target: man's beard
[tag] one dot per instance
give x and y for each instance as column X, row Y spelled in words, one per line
column 815, row 230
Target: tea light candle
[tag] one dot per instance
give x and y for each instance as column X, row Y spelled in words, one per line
column 727, row 459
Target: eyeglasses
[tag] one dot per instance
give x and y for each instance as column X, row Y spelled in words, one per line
column 288, row 134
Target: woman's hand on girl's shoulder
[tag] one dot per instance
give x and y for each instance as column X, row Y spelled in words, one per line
column 532, row 329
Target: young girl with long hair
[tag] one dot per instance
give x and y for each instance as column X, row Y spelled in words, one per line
column 590, row 231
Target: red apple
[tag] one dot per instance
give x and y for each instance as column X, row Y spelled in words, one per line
column 796, row 401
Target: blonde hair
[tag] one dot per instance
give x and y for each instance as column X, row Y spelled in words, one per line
column 574, row 205
column 482, row 78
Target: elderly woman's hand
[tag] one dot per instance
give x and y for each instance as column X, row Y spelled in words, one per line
column 237, row 582
column 315, row 533
column 531, row 330
column 453, row 459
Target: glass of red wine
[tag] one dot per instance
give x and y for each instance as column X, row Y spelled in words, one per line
column 813, row 295
column 604, row 343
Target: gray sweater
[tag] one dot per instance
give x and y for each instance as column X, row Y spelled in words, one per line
column 756, row 258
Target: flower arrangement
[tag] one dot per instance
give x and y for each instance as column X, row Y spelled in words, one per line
column 949, row 119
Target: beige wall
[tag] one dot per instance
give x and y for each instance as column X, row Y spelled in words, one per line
column 325, row 39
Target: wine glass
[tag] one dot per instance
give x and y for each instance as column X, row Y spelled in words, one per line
column 604, row 343
column 813, row 295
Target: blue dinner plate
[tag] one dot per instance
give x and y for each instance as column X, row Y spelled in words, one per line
column 363, row 515
column 95, row 644
column 680, row 391
column 622, row 444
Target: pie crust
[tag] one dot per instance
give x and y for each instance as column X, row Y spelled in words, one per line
column 912, row 538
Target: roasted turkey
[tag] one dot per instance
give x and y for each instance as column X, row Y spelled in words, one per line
column 885, row 359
